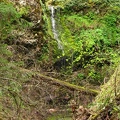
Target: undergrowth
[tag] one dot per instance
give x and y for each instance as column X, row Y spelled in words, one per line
column 90, row 36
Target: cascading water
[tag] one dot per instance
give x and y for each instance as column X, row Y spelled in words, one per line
column 55, row 33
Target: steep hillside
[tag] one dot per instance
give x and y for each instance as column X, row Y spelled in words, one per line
column 54, row 55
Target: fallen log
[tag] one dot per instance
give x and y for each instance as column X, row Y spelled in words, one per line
column 62, row 83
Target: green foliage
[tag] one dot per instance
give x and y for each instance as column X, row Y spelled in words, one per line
column 8, row 18
column 24, row 10
column 58, row 3
column 81, row 76
column 75, row 5
column 11, row 20
column 92, row 38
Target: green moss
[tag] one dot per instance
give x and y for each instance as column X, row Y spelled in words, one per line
column 108, row 92
column 59, row 117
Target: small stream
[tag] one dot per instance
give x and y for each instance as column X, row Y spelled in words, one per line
column 55, row 33
column 57, row 116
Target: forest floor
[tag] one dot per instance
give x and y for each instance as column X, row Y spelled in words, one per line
column 47, row 93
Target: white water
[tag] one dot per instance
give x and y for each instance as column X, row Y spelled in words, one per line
column 55, row 33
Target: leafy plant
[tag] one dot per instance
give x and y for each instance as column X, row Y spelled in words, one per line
column 81, row 76
column 9, row 17
column 91, row 39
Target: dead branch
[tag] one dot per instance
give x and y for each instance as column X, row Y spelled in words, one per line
column 62, row 83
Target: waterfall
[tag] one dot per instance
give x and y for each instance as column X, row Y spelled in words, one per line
column 55, row 33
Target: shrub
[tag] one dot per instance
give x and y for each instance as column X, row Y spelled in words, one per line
column 9, row 17
column 91, row 39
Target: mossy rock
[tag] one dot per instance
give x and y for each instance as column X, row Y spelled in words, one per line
column 108, row 98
